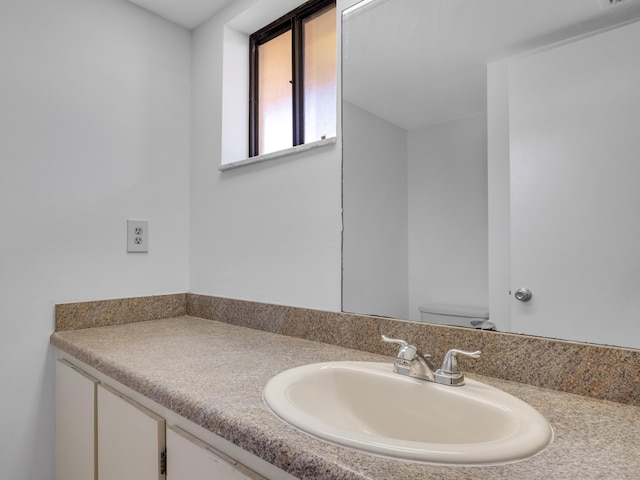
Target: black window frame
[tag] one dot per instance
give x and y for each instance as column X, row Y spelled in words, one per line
column 293, row 22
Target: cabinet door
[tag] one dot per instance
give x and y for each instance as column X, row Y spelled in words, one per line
column 130, row 439
column 188, row 458
column 75, row 423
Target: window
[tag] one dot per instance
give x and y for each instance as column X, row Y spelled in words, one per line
column 293, row 79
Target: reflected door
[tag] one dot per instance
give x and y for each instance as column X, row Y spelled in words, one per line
column 574, row 114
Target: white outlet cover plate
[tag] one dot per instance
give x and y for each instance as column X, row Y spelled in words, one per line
column 137, row 236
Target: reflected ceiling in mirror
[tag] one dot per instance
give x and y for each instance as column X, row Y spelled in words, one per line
column 434, row 53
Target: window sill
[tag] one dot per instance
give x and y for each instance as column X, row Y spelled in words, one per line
column 279, row 154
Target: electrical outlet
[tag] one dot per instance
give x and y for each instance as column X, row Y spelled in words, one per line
column 137, row 236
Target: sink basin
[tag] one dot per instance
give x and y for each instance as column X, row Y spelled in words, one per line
column 366, row 406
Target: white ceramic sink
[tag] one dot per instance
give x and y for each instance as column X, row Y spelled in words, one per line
column 365, row 405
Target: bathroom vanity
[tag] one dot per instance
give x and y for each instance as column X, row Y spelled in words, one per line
column 203, row 379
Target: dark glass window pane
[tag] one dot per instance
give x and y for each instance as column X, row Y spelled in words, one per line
column 320, row 75
column 274, row 94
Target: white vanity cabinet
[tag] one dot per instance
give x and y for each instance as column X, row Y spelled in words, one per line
column 130, row 439
column 105, row 434
column 75, row 423
column 192, row 459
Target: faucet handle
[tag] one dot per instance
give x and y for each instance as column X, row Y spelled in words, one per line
column 450, row 373
column 406, row 352
column 450, row 362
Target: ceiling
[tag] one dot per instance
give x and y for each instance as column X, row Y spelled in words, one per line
column 186, row 13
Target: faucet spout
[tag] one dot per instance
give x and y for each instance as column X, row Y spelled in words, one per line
column 409, row 361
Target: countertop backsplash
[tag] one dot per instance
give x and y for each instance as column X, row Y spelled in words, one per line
column 597, row 371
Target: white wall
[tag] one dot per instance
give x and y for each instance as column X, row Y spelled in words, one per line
column 94, row 129
column 448, row 214
column 375, row 245
column 266, row 232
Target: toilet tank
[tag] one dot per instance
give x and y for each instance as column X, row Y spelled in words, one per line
column 456, row 315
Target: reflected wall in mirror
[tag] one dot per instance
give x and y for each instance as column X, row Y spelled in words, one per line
column 491, row 146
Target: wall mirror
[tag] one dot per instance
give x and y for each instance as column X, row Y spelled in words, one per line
column 491, row 146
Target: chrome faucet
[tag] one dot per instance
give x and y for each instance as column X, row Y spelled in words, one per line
column 409, row 361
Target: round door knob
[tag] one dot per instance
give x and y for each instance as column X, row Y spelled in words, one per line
column 523, row 294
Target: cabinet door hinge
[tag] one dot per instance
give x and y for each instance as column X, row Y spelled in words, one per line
column 163, row 462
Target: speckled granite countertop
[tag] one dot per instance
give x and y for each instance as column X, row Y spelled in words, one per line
column 213, row 374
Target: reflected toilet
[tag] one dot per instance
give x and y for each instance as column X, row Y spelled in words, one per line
column 456, row 315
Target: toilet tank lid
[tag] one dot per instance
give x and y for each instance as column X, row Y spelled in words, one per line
column 470, row 311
